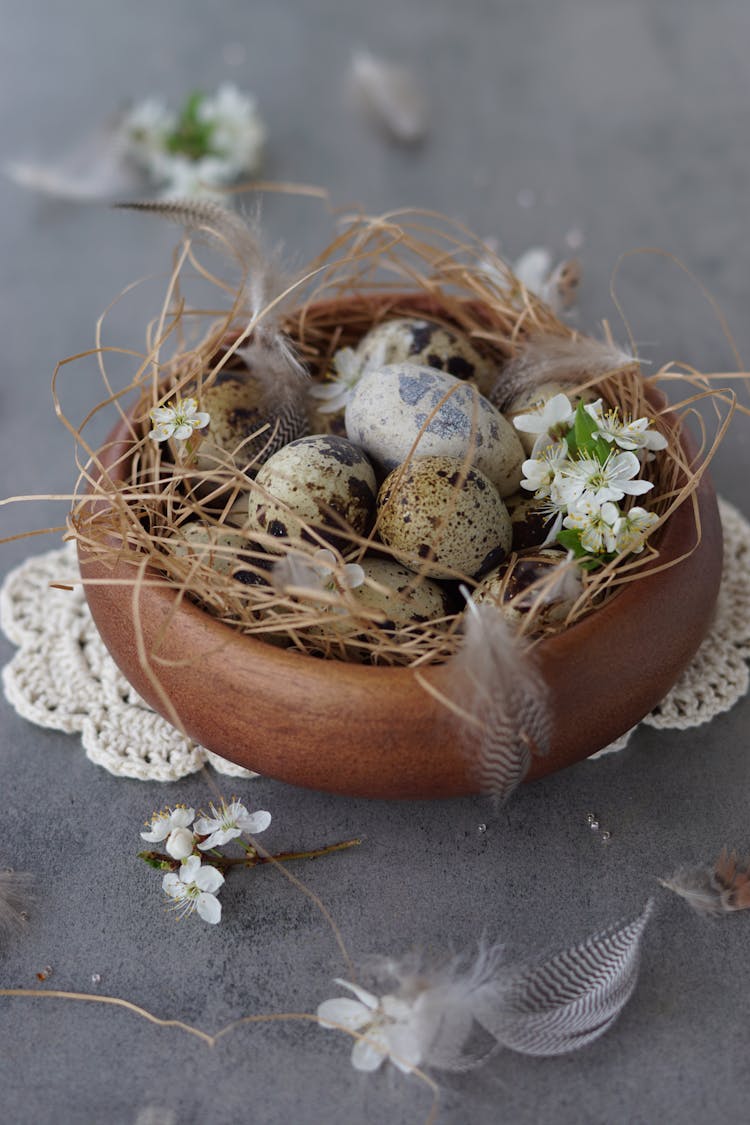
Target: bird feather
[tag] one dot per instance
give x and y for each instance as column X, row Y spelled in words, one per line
column 568, row 1001
column 497, row 685
column 718, row 888
column 268, row 352
column 96, row 167
column 558, row 359
column 15, row 895
column 390, row 95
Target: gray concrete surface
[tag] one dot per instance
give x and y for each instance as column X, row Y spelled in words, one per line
column 626, row 120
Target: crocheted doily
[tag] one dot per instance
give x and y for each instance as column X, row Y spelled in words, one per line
column 63, row 677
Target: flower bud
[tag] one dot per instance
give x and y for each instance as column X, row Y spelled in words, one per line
column 180, row 843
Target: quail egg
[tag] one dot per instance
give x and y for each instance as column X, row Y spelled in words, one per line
column 531, row 524
column 238, row 407
column 428, row 344
column 390, row 407
column 210, row 544
column 438, row 525
column 321, row 480
column 391, row 591
column 528, row 582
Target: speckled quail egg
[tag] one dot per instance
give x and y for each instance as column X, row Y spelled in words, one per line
column 321, row 480
column 428, row 344
column 530, row 523
column 238, row 406
column 211, row 545
column 389, row 407
column 436, row 524
column 528, row 581
column 391, row 590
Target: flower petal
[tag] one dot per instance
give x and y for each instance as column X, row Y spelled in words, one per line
column 324, row 391
column 403, row 1047
column 161, row 414
column 172, row 885
column 159, row 831
column 181, row 817
column 343, row 1012
column 180, row 843
column 190, row 869
column 368, row 1055
column 209, row 908
column 362, row 994
column 255, row 822
column 205, row 825
column 209, row 878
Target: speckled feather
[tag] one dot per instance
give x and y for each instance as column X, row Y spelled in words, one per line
column 268, row 353
column 557, row 359
column 497, row 683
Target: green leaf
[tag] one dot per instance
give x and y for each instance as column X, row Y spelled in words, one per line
column 159, row 863
column 571, row 541
column 191, row 136
column 586, row 444
column 584, row 427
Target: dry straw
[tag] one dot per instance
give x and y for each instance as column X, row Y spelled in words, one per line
column 133, row 501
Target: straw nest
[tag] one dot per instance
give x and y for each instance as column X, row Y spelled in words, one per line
column 142, row 501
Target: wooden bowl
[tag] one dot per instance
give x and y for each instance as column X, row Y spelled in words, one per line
column 374, row 731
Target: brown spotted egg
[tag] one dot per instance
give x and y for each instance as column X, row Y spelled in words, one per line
column 428, row 344
column 392, row 591
column 210, row 545
column 243, row 429
column 389, row 410
column 530, row 523
column 528, row 582
column 439, row 518
column 321, row 480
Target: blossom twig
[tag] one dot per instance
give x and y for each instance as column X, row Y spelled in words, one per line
column 163, row 862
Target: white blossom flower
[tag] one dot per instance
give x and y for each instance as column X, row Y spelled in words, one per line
column 386, row 1022
column 180, row 843
column 146, row 129
column 193, row 887
column 551, row 421
column 595, row 522
column 213, row 141
column 183, row 178
column 629, row 435
column 541, row 472
column 165, row 822
column 335, row 394
column 178, row 420
column 552, row 512
column 633, row 528
column 610, row 480
column 228, row 822
column 237, row 134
